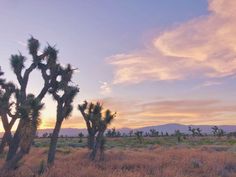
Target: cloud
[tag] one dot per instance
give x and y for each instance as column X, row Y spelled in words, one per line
column 105, row 88
column 22, row 43
column 202, row 47
column 208, row 84
column 135, row 68
column 137, row 113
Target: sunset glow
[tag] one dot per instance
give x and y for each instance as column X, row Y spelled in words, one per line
column 151, row 68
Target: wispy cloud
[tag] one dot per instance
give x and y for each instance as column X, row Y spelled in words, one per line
column 22, row 43
column 105, row 88
column 138, row 113
column 202, row 47
column 134, row 113
column 208, row 84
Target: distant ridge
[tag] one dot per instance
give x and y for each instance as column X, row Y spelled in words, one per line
column 170, row 128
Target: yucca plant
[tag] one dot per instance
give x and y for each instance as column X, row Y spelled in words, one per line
column 64, row 105
column 96, row 121
column 47, row 64
column 139, row 136
column 7, row 90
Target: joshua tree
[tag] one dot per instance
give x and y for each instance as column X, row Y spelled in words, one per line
column 178, row 134
column 96, row 124
column 81, row 135
column 199, row 132
column 29, row 106
column 139, row 136
column 7, row 90
column 64, row 105
column 153, row 132
column 45, row 135
column 131, row 132
column 192, row 130
column 220, row 132
column 91, row 113
column 215, row 130
column 195, row 131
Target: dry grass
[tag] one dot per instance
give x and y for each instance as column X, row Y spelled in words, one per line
column 152, row 162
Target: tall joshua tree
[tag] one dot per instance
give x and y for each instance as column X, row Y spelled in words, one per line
column 96, row 123
column 64, row 105
column 28, row 105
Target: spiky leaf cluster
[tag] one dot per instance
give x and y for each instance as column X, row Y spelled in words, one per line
column 95, row 117
column 33, row 46
column 17, row 63
column 69, row 92
column 30, row 110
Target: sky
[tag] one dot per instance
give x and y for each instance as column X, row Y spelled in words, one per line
column 153, row 62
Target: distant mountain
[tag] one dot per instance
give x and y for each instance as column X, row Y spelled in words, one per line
column 170, row 128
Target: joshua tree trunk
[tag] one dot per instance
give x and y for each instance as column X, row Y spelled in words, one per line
column 11, row 164
column 91, row 139
column 7, row 137
column 3, row 143
column 96, row 146
column 15, row 142
column 53, row 143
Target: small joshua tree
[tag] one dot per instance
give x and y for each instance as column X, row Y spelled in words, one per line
column 217, row 131
column 64, row 105
column 192, row 130
column 199, row 132
column 195, row 131
column 96, row 124
column 178, row 134
column 91, row 113
column 214, row 130
column 81, row 135
column 139, row 136
column 153, row 133
column 220, row 132
column 131, row 133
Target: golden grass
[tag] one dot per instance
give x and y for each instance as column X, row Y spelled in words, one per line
column 149, row 162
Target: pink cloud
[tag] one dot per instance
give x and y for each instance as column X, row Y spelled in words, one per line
column 204, row 46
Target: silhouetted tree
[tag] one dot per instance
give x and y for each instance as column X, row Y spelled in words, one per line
column 131, row 133
column 214, row 130
column 178, row 134
column 7, row 90
column 139, row 136
column 153, row 132
column 28, row 105
column 45, row 135
column 64, row 105
column 217, row 131
column 81, row 135
column 199, row 132
column 220, row 132
column 96, row 124
column 195, row 131
column 192, row 130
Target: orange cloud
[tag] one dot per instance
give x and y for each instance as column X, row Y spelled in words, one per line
column 137, row 113
column 205, row 45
